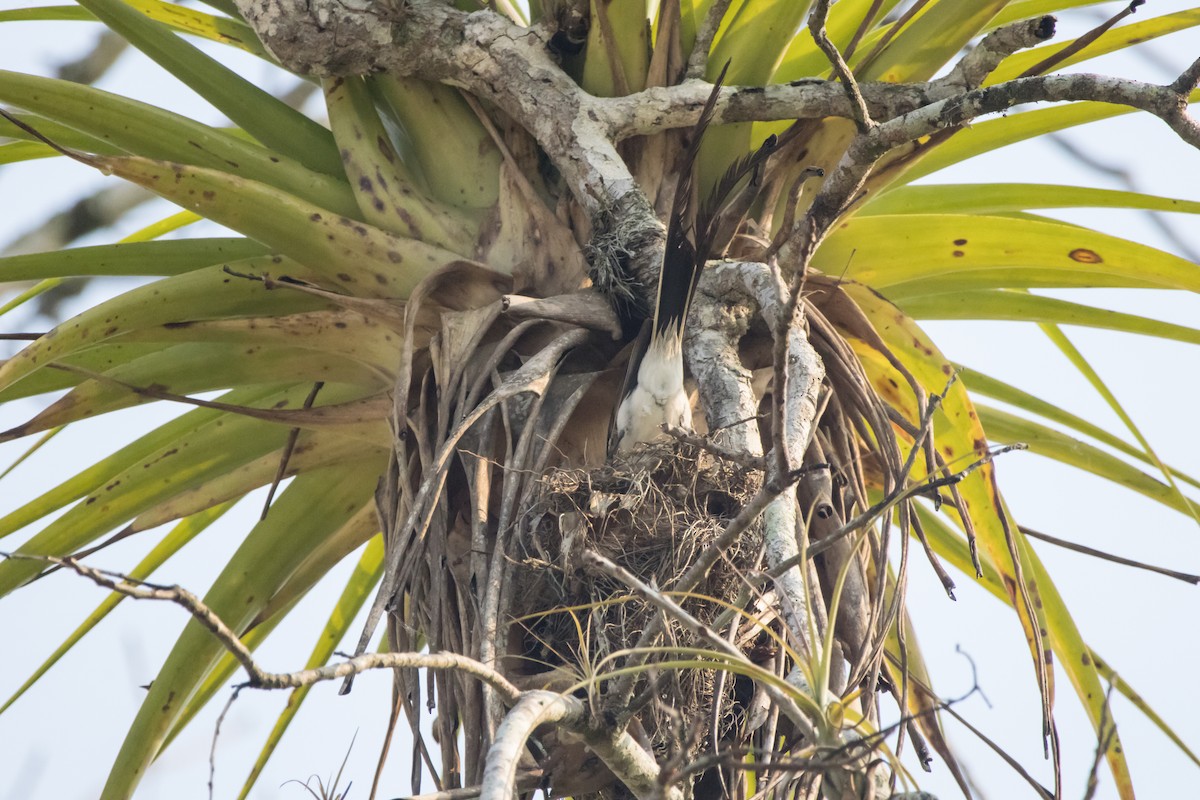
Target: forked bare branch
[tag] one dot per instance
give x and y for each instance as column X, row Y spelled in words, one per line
column 527, row 710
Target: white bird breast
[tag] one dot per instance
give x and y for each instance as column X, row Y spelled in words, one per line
column 658, row 398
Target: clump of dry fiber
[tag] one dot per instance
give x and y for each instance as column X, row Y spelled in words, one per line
column 653, row 517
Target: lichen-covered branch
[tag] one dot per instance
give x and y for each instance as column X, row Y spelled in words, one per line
column 816, row 27
column 727, row 292
column 532, row 710
column 510, row 66
column 260, row 678
column 627, row 759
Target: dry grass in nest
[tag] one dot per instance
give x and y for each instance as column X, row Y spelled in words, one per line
column 653, row 517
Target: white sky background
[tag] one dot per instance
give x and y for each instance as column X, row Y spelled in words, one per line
column 59, row 739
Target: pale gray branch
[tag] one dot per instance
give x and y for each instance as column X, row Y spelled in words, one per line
column 759, row 286
column 259, row 677
column 698, row 60
column 526, row 781
column 534, row 709
column 436, row 661
column 717, row 323
column 510, row 66
column 620, row 752
column 1163, row 102
column 975, row 66
column 816, row 27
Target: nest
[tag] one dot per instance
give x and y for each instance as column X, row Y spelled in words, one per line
column 654, row 517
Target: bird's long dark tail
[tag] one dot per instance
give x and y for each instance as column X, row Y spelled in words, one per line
column 681, row 263
column 691, row 234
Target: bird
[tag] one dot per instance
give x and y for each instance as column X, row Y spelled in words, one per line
column 653, row 394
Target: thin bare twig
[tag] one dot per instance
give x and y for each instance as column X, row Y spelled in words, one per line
column 620, row 752
column 212, row 751
column 258, row 677
column 1186, row 577
column 1042, row 791
column 698, row 60
column 816, row 26
column 893, row 31
column 1080, row 43
column 897, row 496
column 864, row 25
column 705, row 443
column 288, row 448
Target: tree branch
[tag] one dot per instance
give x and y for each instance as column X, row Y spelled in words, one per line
column 260, row 678
column 510, row 66
column 727, row 294
column 1168, row 103
column 816, row 27
column 494, row 59
column 532, row 710
column 620, row 752
column 971, row 71
column 698, row 60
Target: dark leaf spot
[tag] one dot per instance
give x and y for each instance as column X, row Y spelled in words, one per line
column 1085, row 256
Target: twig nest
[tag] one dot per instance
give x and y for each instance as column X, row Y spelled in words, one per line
column 653, row 515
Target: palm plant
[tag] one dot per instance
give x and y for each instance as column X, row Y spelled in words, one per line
column 421, row 317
